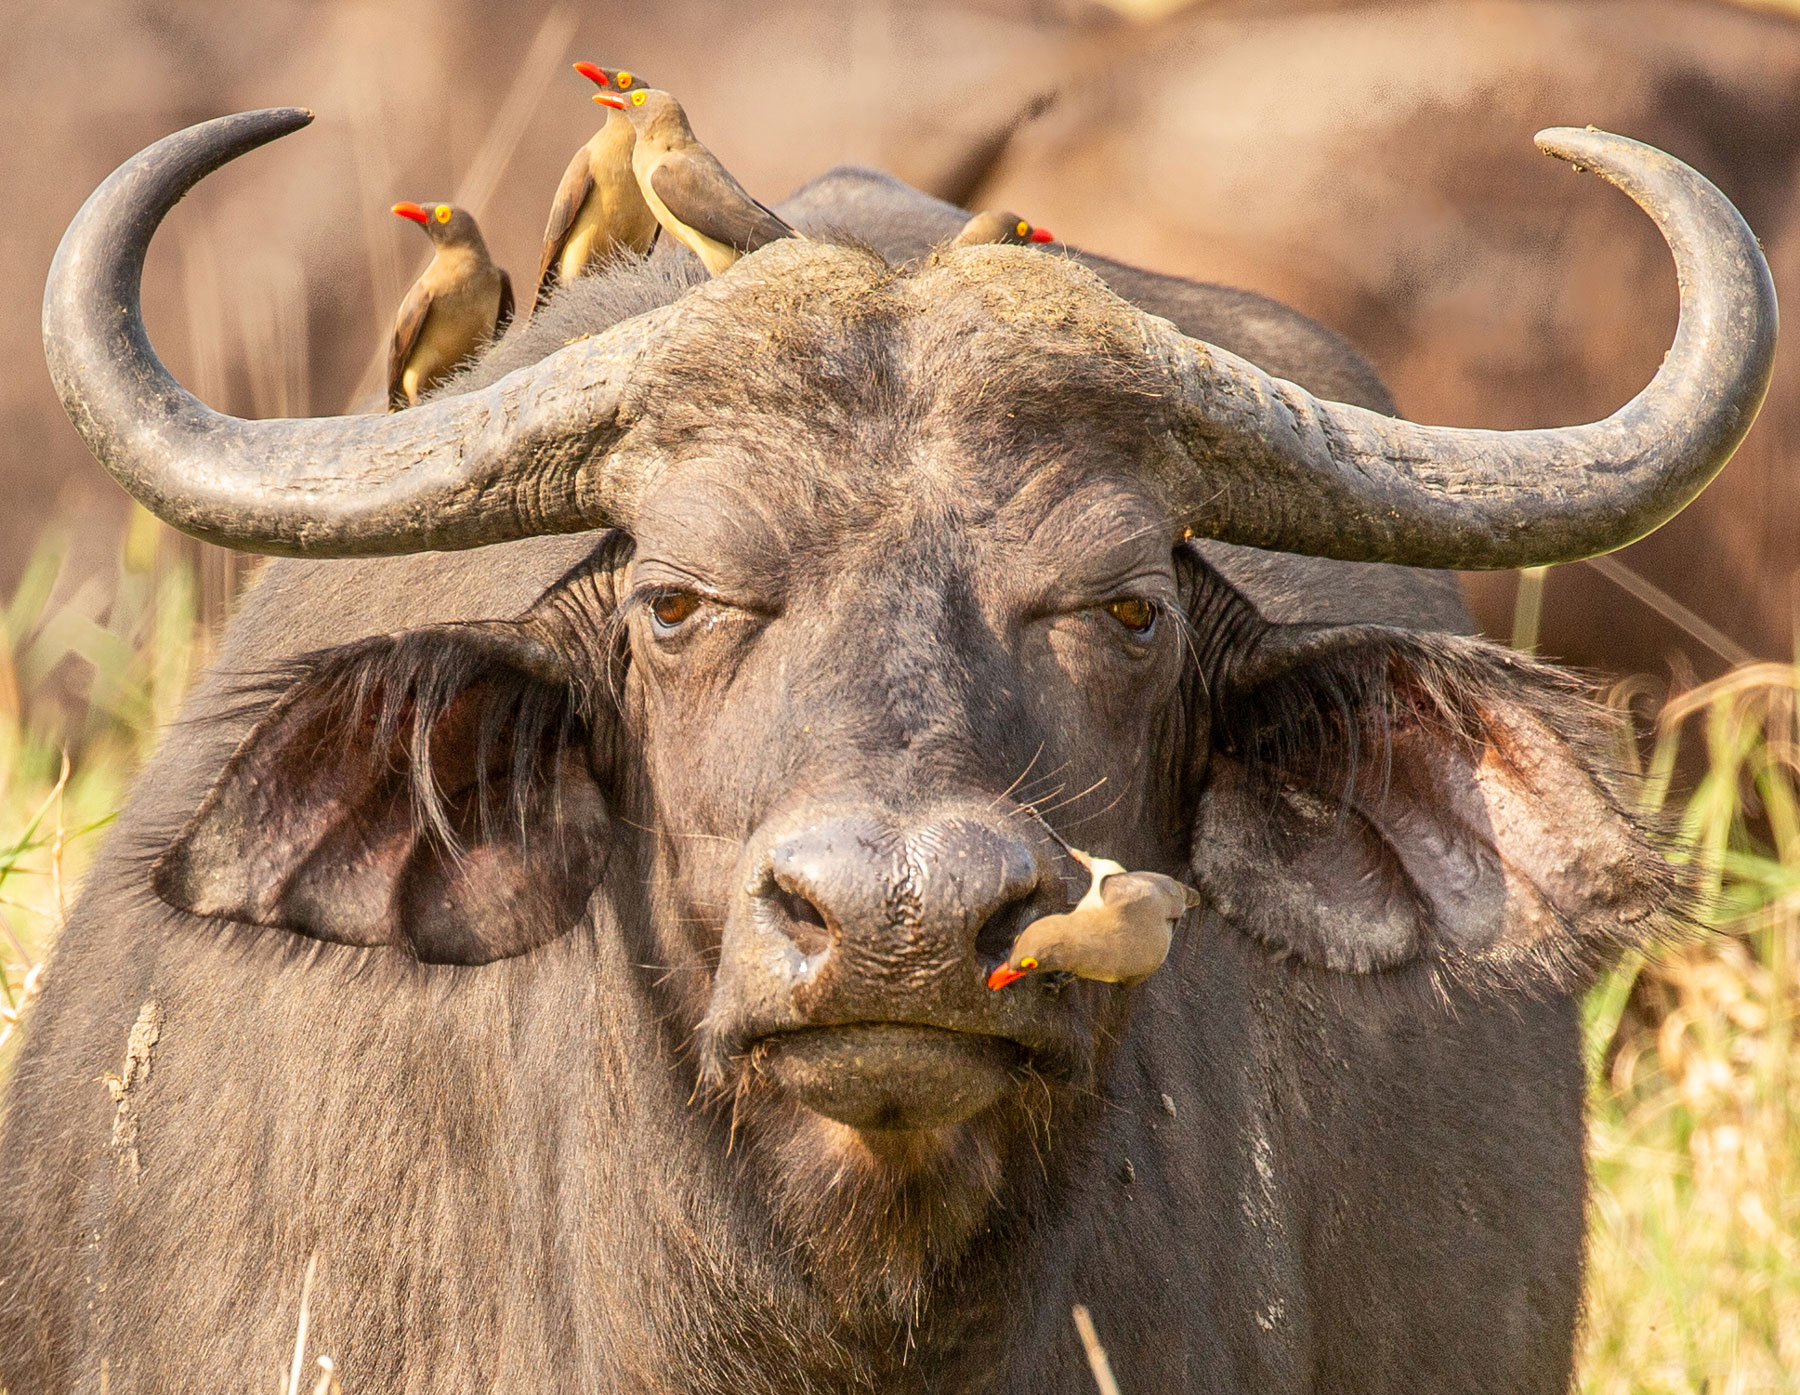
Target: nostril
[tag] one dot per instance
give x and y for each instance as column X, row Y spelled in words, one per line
column 805, row 923
column 994, row 941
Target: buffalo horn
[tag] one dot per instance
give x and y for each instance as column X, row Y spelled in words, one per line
column 1262, row 462
column 533, row 453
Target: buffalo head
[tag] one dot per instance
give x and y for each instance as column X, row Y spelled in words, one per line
column 896, row 567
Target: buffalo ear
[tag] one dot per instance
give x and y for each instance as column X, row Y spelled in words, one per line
column 430, row 792
column 1378, row 798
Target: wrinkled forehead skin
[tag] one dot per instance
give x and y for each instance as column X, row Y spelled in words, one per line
column 827, row 384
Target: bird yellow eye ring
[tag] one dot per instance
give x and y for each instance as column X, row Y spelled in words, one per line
column 1022, row 228
column 623, row 78
column 637, row 98
column 443, row 213
column 1028, row 964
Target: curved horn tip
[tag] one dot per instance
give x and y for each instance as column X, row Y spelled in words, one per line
column 1409, row 493
column 274, row 121
column 226, row 138
column 1581, row 144
column 268, row 123
column 1606, row 153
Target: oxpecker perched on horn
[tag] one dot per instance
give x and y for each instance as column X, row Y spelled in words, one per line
column 460, row 302
column 598, row 212
column 998, row 226
column 692, row 195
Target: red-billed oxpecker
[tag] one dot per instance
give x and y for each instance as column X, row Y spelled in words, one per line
column 598, row 213
column 692, row 195
column 1118, row 933
column 998, row 226
column 460, row 302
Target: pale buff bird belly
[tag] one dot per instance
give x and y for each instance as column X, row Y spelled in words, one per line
column 611, row 220
column 460, row 321
column 1109, row 952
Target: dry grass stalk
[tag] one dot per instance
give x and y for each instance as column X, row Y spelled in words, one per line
column 542, row 62
column 1635, row 584
column 1528, row 609
column 1096, row 1354
column 255, row 316
column 98, row 670
column 306, row 1288
column 1694, row 1267
column 371, row 138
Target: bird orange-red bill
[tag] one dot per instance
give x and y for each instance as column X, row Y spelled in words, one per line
column 414, row 212
column 610, row 99
column 1042, row 235
column 593, row 72
column 1004, row 974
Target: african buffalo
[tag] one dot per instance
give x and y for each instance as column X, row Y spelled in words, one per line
column 578, row 944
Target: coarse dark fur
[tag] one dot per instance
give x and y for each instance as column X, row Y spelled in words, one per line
column 440, row 891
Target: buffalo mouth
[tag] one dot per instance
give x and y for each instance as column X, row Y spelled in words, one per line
column 891, row 1075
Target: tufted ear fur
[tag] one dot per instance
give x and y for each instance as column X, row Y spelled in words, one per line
column 430, row 791
column 1377, row 798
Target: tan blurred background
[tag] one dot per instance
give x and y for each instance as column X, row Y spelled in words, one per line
column 1371, row 165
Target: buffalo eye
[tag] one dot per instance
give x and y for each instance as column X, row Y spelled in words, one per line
column 668, row 609
column 1135, row 614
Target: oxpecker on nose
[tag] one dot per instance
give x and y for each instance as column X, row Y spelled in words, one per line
column 460, row 302
column 995, row 225
column 598, row 212
column 692, row 195
column 1118, row 933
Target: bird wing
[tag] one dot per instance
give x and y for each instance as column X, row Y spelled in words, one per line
column 701, row 192
column 1128, row 888
column 1132, row 888
column 984, row 227
column 577, row 180
column 407, row 327
column 504, row 317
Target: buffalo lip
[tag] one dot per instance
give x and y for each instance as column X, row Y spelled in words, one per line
column 892, row 1076
column 1045, row 1036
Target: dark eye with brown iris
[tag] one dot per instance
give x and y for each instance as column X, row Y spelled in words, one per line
column 669, row 608
column 1138, row 616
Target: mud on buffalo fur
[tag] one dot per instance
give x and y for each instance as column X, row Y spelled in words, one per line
column 581, row 944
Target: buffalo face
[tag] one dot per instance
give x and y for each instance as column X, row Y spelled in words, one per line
column 869, row 647
column 859, row 722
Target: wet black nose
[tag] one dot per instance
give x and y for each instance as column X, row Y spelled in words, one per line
column 907, row 903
